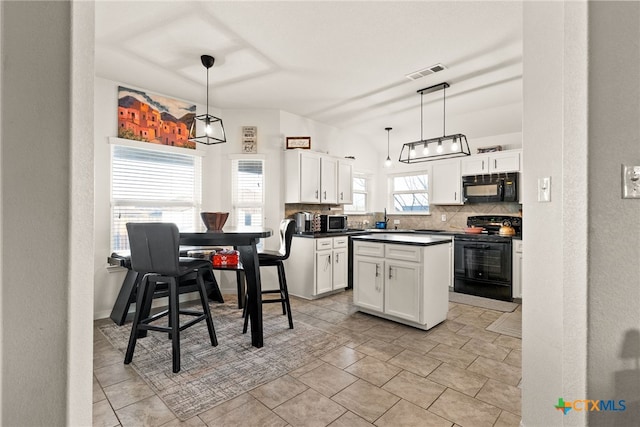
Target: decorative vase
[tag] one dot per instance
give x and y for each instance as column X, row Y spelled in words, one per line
column 214, row 221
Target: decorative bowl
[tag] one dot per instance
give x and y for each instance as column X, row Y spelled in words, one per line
column 214, row 221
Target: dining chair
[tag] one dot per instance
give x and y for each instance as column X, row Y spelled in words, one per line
column 155, row 254
column 275, row 259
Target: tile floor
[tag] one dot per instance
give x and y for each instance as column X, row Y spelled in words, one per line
column 388, row 374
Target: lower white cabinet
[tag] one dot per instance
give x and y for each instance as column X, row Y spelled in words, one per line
column 317, row 266
column 405, row 283
column 516, row 278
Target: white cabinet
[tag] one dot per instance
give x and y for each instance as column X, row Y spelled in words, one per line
column 516, row 278
column 446, row 183
column 405, row 283
column 317, row 266
column 345, row 182
column 312, row 177
column 498, row 162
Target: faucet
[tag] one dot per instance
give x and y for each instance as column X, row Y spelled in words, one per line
column 386, row 220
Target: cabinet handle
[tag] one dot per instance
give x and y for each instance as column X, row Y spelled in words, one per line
column 316, row 194
column 482, row 168
column 341, row 195
column 390, row 272
column 338, row 258
column 455, row 195
column 495, row 163
column 325, row 195
column 377, row 270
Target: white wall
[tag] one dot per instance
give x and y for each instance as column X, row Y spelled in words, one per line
column 46, row 308
column 614, row 267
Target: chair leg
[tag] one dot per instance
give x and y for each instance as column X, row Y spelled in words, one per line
column 206, row 310
column 138, row 316
column 245, row 314
column 285, row 292
column 174, row 323
column 280, row 269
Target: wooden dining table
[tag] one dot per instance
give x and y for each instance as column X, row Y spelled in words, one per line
column 245, row 241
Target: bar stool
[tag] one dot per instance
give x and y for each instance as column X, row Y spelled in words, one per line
column 275, row 259
column 155, row 254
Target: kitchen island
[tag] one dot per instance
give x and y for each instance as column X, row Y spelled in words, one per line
column 403, row 277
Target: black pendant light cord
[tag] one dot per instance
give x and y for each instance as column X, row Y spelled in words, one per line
column 421, row 116
column 444, row 111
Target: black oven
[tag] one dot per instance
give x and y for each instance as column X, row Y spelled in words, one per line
column 482, row 266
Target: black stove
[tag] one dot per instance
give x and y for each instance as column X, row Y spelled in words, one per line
column 482, row 262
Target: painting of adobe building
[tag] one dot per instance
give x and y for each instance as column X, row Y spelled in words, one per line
column 154, row 118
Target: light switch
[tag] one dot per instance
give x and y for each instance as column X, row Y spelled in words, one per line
column 630, row 182
column 544, row 189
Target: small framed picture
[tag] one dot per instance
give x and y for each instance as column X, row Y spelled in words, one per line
column 299, row 142
column 249, row 139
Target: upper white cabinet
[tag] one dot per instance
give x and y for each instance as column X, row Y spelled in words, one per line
column 312, row 177
column 446, row 183
column 498, row 162
column 345, row 182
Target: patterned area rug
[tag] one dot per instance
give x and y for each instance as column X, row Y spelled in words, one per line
column 491, row 304
column 508, row 324
column 211, row 375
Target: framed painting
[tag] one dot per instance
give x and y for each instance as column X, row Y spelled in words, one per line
column 157, row 119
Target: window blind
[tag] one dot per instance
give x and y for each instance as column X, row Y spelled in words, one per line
column 153, row 186
column 248, row 192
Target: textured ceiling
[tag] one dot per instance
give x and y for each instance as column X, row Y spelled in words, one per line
column 340, row 63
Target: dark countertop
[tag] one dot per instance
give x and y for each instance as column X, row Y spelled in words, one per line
column 405, row 239
column 429, row 232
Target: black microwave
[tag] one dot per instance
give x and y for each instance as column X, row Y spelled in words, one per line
column 493, row 188
column 333, row 223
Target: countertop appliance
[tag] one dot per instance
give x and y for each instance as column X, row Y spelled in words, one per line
column 493, row 188
column 482, row 261
column 304, row 222
column 332, row 223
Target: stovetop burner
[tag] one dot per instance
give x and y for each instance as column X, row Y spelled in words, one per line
column 492, row 224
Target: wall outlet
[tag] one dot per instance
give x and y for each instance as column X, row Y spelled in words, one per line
column 443, row 217
column 396, row 221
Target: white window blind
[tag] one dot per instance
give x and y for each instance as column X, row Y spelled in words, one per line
column 248, row 192
column 153, row 186
column 410, row 193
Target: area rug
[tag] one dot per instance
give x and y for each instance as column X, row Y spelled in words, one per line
column 211, row 375
column 491, row 304
column 508, row 324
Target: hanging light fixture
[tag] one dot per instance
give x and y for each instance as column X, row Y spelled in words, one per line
column 207, row 129
column 444, row 147
column 387, row 163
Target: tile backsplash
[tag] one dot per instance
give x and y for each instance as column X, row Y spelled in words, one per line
column 456, row 216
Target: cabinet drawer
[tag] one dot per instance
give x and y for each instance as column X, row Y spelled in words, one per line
column 517, row 246
column 368, row 249
column 325, row 243
column 340, row 242
column 402, row 252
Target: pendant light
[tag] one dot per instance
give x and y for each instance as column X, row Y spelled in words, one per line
column 387, row 163
column 445, row 146
column 207, row 129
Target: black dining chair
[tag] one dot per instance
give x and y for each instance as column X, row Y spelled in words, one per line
column 155, row 254
column 275, row 259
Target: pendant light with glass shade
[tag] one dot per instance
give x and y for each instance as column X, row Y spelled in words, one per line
column 446, row 146
column 387, row 163
column 207, row 129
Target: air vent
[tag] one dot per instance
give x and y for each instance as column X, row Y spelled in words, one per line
column 425, row 72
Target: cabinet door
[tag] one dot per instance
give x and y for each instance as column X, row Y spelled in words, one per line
column 345, row 182
column 446, row 183
column 324, row 272
column 329, row 180
column 309, row 178
column 340, row 265
column 516, row 280
column 475, row 165
column 402, row 290
column 368, row 282
column 505, row 162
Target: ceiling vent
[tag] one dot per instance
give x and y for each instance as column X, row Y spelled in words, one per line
column 425, row 72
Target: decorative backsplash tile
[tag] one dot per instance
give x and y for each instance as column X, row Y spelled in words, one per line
column 456, row 216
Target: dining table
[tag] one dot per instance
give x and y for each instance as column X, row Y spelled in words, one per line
column 243, row 239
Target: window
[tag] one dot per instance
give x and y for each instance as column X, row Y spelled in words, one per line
column 153, row 186
column 247, row 189
column 360, row 195
column 410, row 193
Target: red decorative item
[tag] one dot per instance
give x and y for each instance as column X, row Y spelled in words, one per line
column 225, row 257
